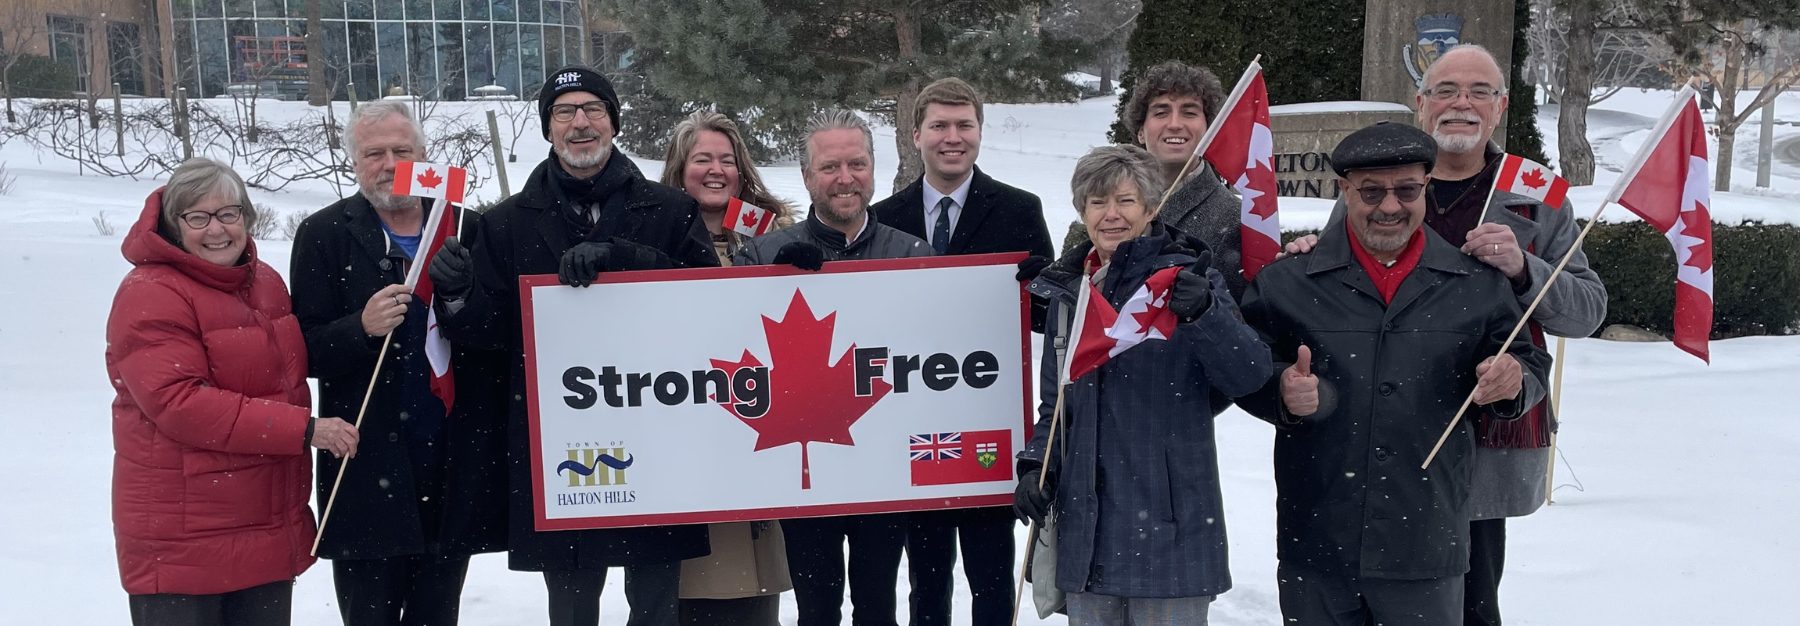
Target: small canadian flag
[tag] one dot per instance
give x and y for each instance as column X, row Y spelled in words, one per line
column 430, row 180
column 1529, row 178
column 748, row 219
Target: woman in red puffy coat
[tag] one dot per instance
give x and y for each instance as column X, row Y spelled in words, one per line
column 212, row 420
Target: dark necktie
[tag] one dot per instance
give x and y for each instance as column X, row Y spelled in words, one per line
column 940, row 233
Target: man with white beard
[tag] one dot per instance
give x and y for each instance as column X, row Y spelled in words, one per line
column 584, row 210
column 425, row 490
column 1461, row 102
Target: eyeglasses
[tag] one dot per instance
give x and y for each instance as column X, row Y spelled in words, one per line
column 566, row 112
column 1478, row 93
column 201, row 219
column 1404, row 193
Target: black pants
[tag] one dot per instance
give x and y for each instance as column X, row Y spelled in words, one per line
column 815, row 550
column 653, row 592
column 413, row 590
column 262, row 605
column 986, row 539
column 751, row 611
column 1311, row 598
column 1481, row 586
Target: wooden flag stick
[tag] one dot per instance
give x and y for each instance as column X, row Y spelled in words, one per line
column 386, row 340
column 1031, row 538
column 1212, row 128
column 1495, row 186
column 1526, row 317
column 1555, row 413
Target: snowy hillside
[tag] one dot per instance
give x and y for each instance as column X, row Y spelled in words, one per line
column 1676, row 501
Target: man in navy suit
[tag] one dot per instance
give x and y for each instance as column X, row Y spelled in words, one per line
column 960, row 210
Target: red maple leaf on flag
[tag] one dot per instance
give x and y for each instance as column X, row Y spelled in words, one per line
column 430, row 179
column 748, row 219
column 810, row 399
column 1534, row 179
column 1157, row 317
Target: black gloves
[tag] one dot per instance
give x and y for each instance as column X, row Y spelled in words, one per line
column 1191, row 295
column 450, row 270
column 801, row 254
column 1031, row 504
column 585, row 261
column 1031, row 267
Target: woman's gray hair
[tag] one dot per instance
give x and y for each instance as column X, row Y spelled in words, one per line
column 193, row 181
column 1099, row 172
column 834, row 119
column 376, row 111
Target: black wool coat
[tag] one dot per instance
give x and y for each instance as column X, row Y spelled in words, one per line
column 996, row 218
column 341, row 257
column 526, row 235
column 1350, row 496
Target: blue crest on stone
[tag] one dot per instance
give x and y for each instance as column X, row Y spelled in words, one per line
column 1437, row 34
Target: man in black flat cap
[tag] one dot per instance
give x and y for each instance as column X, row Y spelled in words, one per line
column 1380, row 333
column 586, row 209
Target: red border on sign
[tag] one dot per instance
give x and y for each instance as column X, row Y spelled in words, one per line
column 529, row 343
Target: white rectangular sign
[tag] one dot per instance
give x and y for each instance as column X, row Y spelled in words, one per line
column 710, row 395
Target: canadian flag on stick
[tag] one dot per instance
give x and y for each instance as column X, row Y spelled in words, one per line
column 437, row 348
column 1100, row 333
column 748, row 219
column 430, row 180
column 1242, row 150
column 1529, row 178
column 1668, row 185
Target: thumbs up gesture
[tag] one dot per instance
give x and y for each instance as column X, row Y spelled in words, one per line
column 1299, row 387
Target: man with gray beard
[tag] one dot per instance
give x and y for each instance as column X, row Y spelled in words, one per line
column 1380, row 332
column 425, row 490
column 1461, row 102
column 586, row 209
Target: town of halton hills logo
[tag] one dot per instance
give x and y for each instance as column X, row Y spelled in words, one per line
column 1437, row 33
column 584, row 466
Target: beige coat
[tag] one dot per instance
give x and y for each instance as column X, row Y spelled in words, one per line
column 745, row 561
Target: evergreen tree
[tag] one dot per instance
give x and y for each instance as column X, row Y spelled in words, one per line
column 1311, row 49
column 776, row 61
column 1522, row 135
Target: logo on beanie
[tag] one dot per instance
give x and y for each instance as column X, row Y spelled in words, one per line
column 567, row 78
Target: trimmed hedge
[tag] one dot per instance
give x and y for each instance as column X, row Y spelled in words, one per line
column 1756, row 275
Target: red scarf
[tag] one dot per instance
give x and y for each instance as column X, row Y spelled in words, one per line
column 1388, row 277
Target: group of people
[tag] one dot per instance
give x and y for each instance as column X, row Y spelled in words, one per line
column 1357, row 347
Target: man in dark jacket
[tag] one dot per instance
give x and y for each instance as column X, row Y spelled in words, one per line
column 584, row 210
column 838, row 167
column 960, row 210
column 1387, row 329
column 426, row 490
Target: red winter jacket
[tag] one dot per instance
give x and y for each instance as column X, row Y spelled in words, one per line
column 210, row 468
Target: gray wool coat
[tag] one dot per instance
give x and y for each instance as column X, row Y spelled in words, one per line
column 1206, row 208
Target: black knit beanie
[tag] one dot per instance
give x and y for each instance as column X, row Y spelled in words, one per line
column 577, row 78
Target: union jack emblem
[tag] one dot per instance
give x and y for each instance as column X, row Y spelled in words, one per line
column 936, row 446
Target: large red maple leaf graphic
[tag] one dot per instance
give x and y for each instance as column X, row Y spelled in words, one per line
column 810, row 399
column 1534, row 179
column 430, row 179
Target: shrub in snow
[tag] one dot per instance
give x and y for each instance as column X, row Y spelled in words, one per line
column 6, row 180
column 102, row 225
column 1756, row 277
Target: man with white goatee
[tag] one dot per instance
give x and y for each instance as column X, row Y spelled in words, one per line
column 1460, row 102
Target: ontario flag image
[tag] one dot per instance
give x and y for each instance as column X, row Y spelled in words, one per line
column 975, row 456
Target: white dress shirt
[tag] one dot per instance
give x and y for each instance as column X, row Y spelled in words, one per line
column 958, row 199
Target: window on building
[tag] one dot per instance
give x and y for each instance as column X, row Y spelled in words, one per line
column 69, row 46
column 125, row 56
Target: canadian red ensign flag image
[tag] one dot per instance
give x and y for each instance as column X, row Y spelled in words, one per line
column 430, row 180
column 1668, row 185
column 1243, row 152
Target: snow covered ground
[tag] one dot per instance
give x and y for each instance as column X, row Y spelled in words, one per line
column 1676, row 500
